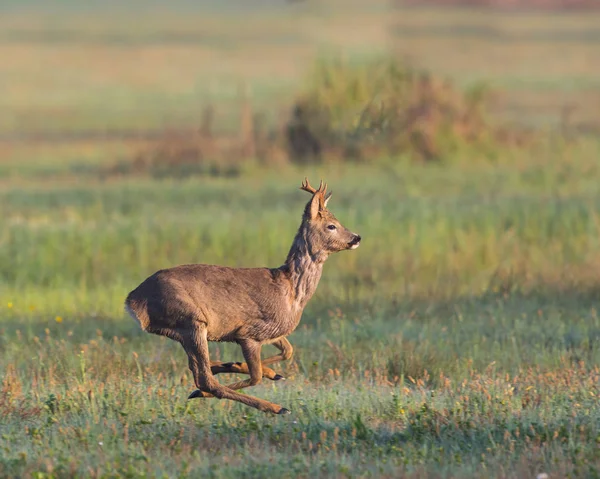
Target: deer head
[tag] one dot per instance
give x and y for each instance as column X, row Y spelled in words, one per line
column 325, row 233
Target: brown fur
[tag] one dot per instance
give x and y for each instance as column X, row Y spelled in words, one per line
column 197, row 303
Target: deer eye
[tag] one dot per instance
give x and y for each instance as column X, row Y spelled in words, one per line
column 331, row 227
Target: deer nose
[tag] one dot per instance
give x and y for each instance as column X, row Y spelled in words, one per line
column 355, row 241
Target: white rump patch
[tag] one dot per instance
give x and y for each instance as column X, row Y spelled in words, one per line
column 133, row 315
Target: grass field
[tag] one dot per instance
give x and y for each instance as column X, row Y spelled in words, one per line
column 462, row 339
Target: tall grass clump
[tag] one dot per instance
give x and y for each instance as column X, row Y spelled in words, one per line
column 386, row 107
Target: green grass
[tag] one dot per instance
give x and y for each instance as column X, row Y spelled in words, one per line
column 460, row 340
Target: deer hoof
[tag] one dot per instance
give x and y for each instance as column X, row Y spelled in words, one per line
column 196, row 394
column 284, row 411
column 278, row 377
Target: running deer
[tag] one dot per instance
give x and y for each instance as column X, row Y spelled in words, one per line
column 197, row 303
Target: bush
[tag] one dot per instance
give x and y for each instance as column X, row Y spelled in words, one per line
column 383, row 107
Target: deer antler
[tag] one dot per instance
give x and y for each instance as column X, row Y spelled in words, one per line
column 306, row 187
column 323, row 198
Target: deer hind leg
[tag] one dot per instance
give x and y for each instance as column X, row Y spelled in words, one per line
column 196, row 346
column 242, row 368
column 218, row 367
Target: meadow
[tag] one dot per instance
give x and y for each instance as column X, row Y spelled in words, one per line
column 462, row 339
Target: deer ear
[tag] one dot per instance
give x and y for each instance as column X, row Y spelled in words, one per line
column 315, row 206
column 327, row 199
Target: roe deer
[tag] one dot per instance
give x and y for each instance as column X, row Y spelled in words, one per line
column 197, row 303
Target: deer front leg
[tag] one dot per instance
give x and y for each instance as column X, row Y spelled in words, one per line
column 242, row 368
column 286, row 351
column 208, row 386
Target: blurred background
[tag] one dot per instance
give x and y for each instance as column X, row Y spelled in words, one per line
column 461, row 139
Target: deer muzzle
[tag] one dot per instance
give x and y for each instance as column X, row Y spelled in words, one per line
column 355, row 243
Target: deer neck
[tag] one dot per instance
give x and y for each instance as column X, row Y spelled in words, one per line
column 303, row 267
